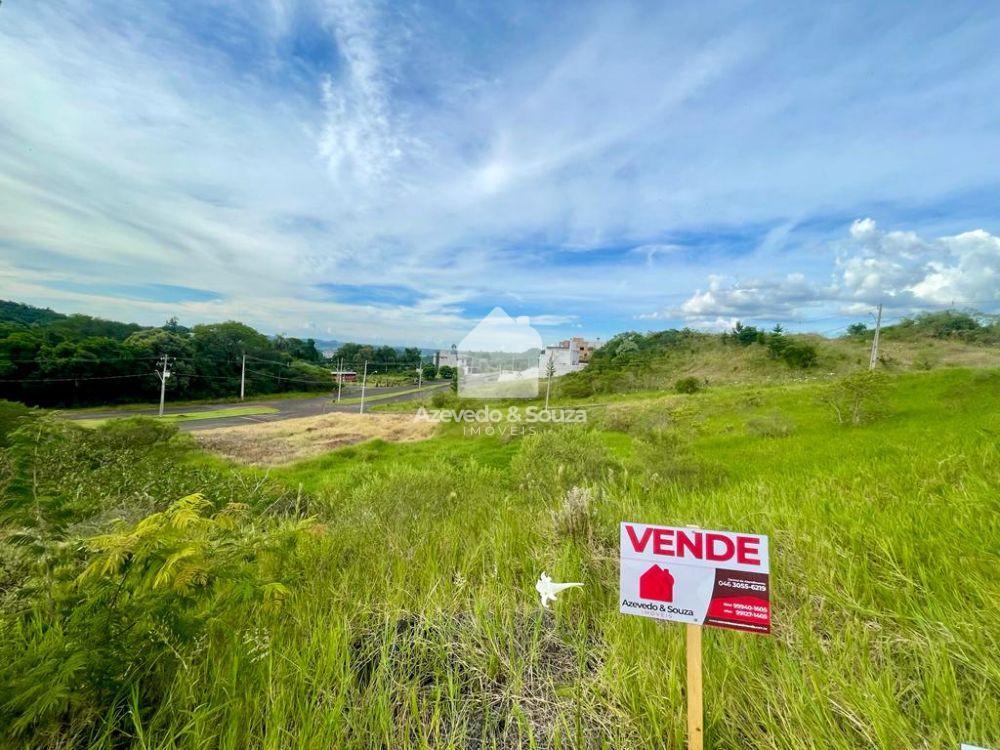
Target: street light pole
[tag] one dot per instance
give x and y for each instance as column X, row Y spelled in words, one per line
column 364, row 382
column 243, row 376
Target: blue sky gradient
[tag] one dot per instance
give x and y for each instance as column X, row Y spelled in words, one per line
column 390, row 172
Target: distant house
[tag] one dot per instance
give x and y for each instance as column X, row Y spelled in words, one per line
column 344, row 376
column 451, row 358
column 564, row 356
column 585, row 347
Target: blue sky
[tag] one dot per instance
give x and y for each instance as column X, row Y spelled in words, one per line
column 392, row 171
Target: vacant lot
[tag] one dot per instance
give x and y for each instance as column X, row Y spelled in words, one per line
column 381, row 595
column 274, row 443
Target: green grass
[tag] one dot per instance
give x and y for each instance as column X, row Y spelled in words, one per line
column 411, row 619
column 239, row 411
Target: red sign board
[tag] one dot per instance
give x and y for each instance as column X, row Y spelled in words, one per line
column 696, row 576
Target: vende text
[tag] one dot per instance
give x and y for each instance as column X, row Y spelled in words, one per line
column 697, row 545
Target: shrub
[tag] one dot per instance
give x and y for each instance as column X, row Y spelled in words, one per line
column 574, row 518
column 12, row 416
column 688, row 385
column 558, row 458
column 663, row 456
column 799, row 354
column 148, row 598
column 744, row 335
column 135, row 432
column 857, row 399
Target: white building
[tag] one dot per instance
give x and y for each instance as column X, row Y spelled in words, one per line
column 452, row 358
column 565, row 358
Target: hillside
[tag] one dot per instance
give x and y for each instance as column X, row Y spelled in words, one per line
column 656, row 361
column 381, row 595
column 50, row 359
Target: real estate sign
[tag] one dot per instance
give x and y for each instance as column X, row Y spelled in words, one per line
column 695, row 576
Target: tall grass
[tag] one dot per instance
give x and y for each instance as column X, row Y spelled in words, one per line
column 410, row 618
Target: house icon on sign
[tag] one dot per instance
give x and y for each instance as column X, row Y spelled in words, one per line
column 657, row 584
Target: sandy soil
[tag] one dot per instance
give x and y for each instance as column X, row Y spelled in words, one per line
column 274, row 443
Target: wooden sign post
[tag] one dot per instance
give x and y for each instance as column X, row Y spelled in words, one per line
column 697, row 577
column 696, row 714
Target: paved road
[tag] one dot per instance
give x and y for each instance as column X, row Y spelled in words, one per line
column 288, row 408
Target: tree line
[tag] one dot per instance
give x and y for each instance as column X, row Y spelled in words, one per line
column 51, row 359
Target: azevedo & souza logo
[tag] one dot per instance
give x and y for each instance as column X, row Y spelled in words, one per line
column 503, row 359
column 511, row 420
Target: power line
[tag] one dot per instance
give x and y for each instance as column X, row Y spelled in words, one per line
column 95, row 360
column 290, row 380
column 67, row 380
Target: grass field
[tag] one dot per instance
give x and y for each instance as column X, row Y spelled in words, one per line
column 191, row 416
column 381, row 595
column 288, row 440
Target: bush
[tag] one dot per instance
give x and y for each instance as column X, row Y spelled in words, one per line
column 147, row 601
column 663, row 456
column 857, row 399
column 135, row 432
column 688, row 385
column 559, row 458
column 575, row 516
column 744, row 335
column 799, row 354
column 12, row 416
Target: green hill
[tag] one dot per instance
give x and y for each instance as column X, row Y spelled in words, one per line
column 656, row 361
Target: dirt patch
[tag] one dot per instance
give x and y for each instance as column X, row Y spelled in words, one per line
column 274, row 443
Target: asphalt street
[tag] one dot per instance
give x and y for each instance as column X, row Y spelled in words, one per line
column 288, row 408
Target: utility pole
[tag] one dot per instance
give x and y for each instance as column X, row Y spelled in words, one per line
column 163, row 374
column 364, row 382
column 878, row 328
column 550, row 370
column 340, row 378
column 243, row 377
column 420, row 376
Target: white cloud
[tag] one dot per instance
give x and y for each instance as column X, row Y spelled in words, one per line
column 769, row 298
column 903, row 269
column 898, row 269
column 361, row 140
column 464, row 155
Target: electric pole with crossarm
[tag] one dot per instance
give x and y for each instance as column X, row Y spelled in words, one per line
column 163, row 374
column 878, row 329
